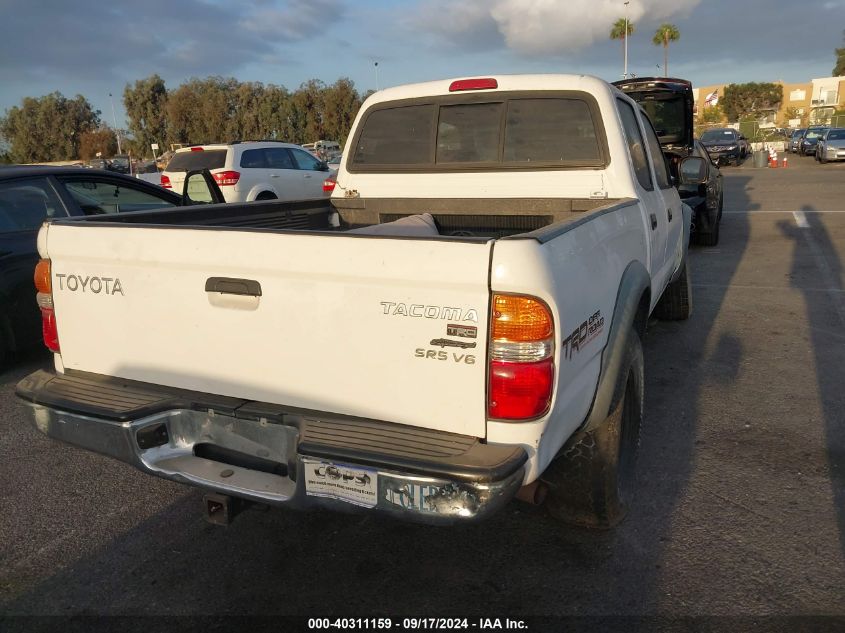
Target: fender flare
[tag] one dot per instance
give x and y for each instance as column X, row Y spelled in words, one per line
column 634, row 284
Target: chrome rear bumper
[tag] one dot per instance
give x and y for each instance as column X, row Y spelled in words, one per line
column 269, row 462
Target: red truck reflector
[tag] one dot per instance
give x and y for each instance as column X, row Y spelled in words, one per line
column 486, row 83
column 520, row 391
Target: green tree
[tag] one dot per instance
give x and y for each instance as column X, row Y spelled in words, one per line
column 307, row 112
column 340, row 105
column 741, row 101
column 47, row 128
column 839, row 68
column 666, row 33
column 102, row 140
column 620, row 29
column 789, row 114
column 145, row 102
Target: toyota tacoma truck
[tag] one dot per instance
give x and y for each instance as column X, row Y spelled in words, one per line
column 460, row 324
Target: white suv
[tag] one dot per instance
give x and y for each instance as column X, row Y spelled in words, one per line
column 247, row 171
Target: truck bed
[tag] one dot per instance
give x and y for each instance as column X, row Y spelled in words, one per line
column 466, row 218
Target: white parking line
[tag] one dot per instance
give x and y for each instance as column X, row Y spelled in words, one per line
column 801, row 219
column 769, row 288
column 777, row 211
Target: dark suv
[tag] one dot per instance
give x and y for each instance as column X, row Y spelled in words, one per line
column 725, row 145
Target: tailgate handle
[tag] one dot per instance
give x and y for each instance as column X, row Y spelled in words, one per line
column 653, row 221
column 233, row 286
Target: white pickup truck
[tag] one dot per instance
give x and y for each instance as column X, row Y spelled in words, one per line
column 459, row 324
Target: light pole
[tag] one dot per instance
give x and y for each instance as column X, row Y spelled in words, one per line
column 625, row 75
column 375, row 64
column 114, row 120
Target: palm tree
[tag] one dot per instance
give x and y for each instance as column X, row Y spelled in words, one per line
column 666, row 33
column 618, row 32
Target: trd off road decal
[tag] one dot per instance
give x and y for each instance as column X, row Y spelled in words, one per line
column 582, row 335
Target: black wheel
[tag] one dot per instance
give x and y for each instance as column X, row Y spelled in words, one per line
column 707, row 238
column 592, row 481
column 676, row 302
column 266, row 195
column 5, row 344
column 721, row 205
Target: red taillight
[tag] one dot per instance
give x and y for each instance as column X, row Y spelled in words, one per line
column 521, row 358
column 329, row 184
column 165, row 182
column 520, row 391
column 197, row 149
column 44, row 286
column 486, row 83
column 49, row 329
column 227, row 178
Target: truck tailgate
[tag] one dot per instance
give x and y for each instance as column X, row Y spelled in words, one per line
column 385, row 328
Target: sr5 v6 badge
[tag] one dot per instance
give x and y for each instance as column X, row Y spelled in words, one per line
column 433, row 354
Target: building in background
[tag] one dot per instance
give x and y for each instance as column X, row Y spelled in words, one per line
column 813, row 102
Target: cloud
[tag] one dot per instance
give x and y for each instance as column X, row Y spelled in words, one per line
column 296, row 20
column 87, row 40
column 537, row 27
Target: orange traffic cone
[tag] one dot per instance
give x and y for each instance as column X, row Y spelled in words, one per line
column 785, row 162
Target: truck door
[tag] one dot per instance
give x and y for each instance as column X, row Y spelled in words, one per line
column 651, row 197
column 671, row 200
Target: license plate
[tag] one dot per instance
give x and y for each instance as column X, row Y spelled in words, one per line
column 352, row 484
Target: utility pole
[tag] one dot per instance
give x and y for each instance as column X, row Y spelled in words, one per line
column 625, row 75
column 114, row 120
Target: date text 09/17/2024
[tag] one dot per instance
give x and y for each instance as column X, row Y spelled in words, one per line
column 414, row 624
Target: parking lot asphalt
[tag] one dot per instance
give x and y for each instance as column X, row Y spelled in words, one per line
column 741, row 497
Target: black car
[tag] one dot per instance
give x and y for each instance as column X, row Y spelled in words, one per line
column 119, row 164
column 31, row 195
column 706, row 201
column 669, row 105
column 807, row 144
column 725, row 145
column 795, row 140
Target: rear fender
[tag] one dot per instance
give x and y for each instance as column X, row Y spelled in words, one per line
column 635, row 285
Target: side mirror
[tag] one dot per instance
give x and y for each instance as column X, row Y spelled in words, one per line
column 323, row 166
column 693, row 171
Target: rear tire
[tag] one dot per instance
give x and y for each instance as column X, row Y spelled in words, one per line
column 5, row 344
column 266, row 195
column 676, row 302
column 711, row 237
column 592, row 481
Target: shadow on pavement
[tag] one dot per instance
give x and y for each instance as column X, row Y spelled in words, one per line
column 825, row 309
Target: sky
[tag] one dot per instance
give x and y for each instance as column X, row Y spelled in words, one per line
column 95, row 48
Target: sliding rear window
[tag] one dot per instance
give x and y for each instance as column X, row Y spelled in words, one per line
column 506, row 132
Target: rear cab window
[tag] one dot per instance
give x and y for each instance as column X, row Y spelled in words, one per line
column 491, row 131
column 197, row 159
